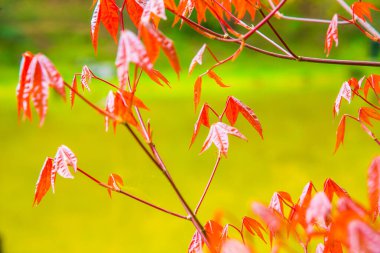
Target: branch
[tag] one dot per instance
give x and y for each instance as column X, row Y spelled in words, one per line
column 131, row 196
column 208, row 184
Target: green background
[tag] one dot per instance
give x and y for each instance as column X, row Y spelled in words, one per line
column 293, row 101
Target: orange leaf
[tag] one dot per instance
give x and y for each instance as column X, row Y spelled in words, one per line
column 134, row 11
column 373, row 81
column 44, row 181
column 234, row 246
column 234, row 107
column 365, row 113
column 216, row 78
column 331, row 35
column 197, row 58
column 270, row 218
column 203, row 119
column 109, row 15
column 197, row 91
column 340, row 132
column 330, row 187
column 362, row 10
column 215, row 235
column 374, row 187
column 219, row 136
column 254, row 227
column 115, row 182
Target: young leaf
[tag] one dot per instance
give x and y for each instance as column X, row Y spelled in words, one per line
column 319, row 211
column 270, row 218
column 344, row 92
column 197, row 91
column 254, row 227
column 197, row 58
column 131, row 49
column 234, row 246
column 234, row 107
column 340, row 132
column 363, row 10
column 44, row 181
column 114, row 181
column 203, row 119
column 216, row 78
column 63, row 158
column 365, row 113
column 85, row 77
column 373, row 81
column 331, row 35
column 330, row 187
column 156, row 7
column 362, row 238
column 110, row 107
column 219, row 136
column 196, row 243
column 95, row 21
column 374, row 187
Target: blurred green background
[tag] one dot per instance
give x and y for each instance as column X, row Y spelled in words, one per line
column 292, row 100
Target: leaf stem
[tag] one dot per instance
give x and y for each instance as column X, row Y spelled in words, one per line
column 208, row 184
column 130, row 195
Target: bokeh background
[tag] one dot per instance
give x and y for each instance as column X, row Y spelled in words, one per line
column 292, row 100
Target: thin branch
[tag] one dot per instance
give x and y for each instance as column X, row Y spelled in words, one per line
column 279, row 36
column 208, row 184
column 131, row 196
column 365, row 100
column 264, row 20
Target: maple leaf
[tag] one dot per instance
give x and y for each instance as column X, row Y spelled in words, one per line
column 362, row 10
column 365, row 113
column 330, row 187
column 373, row 81
column 115, row 182
column 135, row 11
column 298, row 212
column 234, row 106
column 362, row 238
column 44, row 181
column 203, row 119
column 218, row 135
column 197, row 91
column 197, row 58
column 346, row 204
column 74, row 88
column 131, row 49
column 340, row 132
column 107, row 12
column 374, row 187
column 319, row 211
column 154, row 36
column 331, row 35
column 156, row 7
column 277, row 201
column 62, row 160
column 85, row 77
column 215, row 234
column 37, row 74
column 216, row 78
column 254, row 227
column 196, row 243
column 234, row 246
column 344, row 92
column 270, row 218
